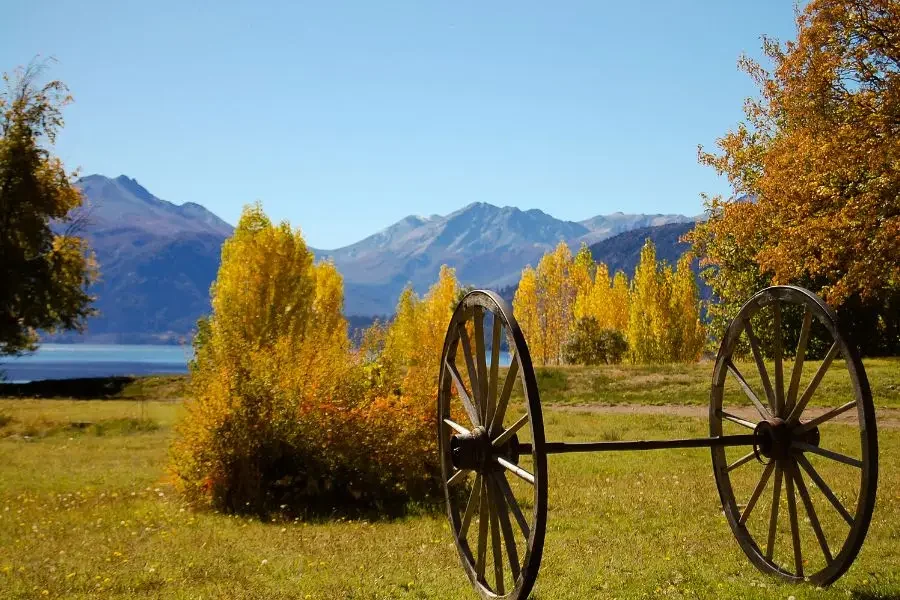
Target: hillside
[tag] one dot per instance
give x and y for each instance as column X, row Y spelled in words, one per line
column 157, row 260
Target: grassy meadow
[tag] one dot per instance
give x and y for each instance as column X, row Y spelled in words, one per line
column 87, row 510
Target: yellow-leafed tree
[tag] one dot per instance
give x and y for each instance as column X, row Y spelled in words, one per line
column 530, row 315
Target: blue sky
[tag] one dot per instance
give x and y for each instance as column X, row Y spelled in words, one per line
column 343, row 117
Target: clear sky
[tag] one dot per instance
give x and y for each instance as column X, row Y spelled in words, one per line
column 344, row 117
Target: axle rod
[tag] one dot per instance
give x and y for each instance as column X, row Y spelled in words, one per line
column 707, row 442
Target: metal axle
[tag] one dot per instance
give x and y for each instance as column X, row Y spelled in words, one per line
column 707, row 442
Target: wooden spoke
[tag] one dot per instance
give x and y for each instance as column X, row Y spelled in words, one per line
column 779, row 368
column 503, row 484
column 757, row 492
column 795, row 527
column 470, row 365
column 463, row 393
column 482, row 531
column 458, row 476
column 773, row 516
column 763, row 411
column 495, row 541
column 827, row 416
column 847, row 460
column 457, row 427
column 741, row 461
column 799, row 357
column 823, row 487
column 736, row 419
column 515, row 469
column 506, row 435
column 508, row 537
column 797, row 410
column 500, row 411
column 471, row 506
column 811, row 513
column 760, row 365
column 495, row 371
column 481, row 364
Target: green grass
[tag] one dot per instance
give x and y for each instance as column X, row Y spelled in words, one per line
column 690, row 384
column 88, row 515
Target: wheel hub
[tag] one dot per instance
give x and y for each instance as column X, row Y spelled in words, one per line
column 474, row 451
column 775, row 438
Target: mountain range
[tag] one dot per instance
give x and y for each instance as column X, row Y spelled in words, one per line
column 157, row 259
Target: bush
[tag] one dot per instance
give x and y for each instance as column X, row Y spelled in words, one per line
column 592, row 345
column 282, row 415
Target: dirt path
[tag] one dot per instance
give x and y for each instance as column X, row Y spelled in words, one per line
column 887, row 418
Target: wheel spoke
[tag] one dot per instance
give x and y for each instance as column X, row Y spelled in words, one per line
column 779, row 368
column 773, row 517
column 503, row 401
column 471, row 506
column 495, row 541
column 813, row 384
column 470, row 365
column 823, row 487
column 827, row 416
column 508, row 537
column 515, row 469
column 741, row 461
column 799, row 358
column 841, row 458
column 764, row 413
column 463, row 393
column 757, row 492
column 736, row 419
column 760, row 365
column 458, row 476
column 481, row 364
column 811, row 513
column 482, row 531
column 457, row 427
column 795, row 527
column 506, row 435
column 513, row 504
column 495, row 371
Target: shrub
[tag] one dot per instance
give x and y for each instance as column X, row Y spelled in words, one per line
column 592, row 345
column 282, row 414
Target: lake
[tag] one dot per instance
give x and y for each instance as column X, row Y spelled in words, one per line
column 69, row 361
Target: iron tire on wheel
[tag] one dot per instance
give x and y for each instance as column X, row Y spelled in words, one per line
column 487, row 430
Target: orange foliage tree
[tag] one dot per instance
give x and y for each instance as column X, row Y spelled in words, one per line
column 815, row 172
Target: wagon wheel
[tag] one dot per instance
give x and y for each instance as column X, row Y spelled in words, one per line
column 817, row 439
column 491, row 444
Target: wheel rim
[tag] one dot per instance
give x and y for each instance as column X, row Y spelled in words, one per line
column 804, row 513
column 496, row 497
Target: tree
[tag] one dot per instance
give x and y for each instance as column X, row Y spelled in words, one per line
column 815, row 173
column 556, row 298
column 45, row 267
column 582, row 282
column 590, row 344
column 689, row 331
column 530, row 315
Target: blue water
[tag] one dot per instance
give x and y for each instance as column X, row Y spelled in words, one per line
column 67, row 361
column 70, row 361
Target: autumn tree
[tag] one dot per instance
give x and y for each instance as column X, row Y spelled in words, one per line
column 45, row 267
column 530, row 316
column 556, row 297
column 815, row 174
column 582, row 282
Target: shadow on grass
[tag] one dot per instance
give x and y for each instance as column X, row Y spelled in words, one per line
column 94, row 388
column 871, row 595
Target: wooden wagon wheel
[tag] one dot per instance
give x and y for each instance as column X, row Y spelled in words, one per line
column 802, row 450
column 491, row 444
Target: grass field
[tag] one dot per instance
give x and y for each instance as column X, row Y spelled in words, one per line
column 86, row 510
